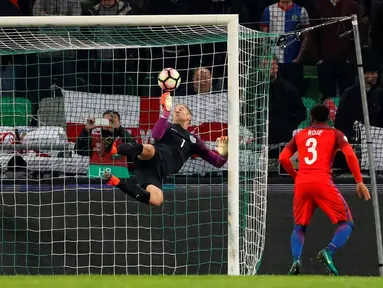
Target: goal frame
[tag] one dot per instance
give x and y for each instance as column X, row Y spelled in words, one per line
column 232, row 23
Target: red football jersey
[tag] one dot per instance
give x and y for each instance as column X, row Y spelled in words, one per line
column 316, row 146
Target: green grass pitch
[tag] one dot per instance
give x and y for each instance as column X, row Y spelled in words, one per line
column 189, row 281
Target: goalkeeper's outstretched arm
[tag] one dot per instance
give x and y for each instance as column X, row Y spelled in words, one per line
column 161, row 126
column 162, row 123
column 216, row 157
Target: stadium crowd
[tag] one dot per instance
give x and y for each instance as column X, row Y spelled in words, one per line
column 320, row 66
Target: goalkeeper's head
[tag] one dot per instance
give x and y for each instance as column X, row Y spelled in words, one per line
column 319, row 114
column 182, row 115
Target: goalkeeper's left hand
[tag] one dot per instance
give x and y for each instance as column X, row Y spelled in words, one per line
column 166, row 103
column 221, row 145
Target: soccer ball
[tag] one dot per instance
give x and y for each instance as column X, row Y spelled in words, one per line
column 169, row 79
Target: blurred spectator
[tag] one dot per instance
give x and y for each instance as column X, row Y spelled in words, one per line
column 335, row 48
column 201, row 83
column 284, row 17
column 56, row 7
column 350, row 107
column 111, row 7
column 286, row 108
column 97, row 145
column 110, row 66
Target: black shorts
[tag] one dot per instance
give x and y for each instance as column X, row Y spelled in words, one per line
column 148, row 172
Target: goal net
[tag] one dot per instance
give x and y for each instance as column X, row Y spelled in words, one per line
column 56, row 215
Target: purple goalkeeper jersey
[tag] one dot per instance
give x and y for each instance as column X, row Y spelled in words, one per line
column 176, row 145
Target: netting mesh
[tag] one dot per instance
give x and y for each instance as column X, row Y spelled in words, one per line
column 64, row 221
column 32, row 40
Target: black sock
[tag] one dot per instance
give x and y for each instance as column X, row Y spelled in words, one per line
column 132, row 189
column 130, row 149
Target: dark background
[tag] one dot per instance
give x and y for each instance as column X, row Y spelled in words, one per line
column 46, row 229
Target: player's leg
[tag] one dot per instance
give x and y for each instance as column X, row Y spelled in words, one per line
column 151, row 194
column 303, row 208
column 143, row 151
column 333, row 204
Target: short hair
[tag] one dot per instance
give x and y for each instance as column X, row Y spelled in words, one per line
column 186, row 107
column 202, row 69
column 320, row 113
column 112, row 112
column 266, row 63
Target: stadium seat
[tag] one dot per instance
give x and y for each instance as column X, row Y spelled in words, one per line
column 309, row 103
column 15, row 111
column 51, row 112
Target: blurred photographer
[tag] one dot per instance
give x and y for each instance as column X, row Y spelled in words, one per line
column 97, row 137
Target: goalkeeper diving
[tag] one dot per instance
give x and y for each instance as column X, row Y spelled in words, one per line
column 173, row 146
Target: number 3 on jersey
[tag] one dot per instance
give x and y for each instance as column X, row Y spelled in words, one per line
column 311, row 145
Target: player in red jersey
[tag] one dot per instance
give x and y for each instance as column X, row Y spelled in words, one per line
column 314, row 187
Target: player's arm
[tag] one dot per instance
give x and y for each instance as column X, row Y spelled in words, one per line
column 216, row 157
column 349, row 154
column 286, row 154
column 163, row 124
column 353, row 163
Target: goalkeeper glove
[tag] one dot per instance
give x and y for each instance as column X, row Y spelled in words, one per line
column 221, row 145
column 166, row 103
